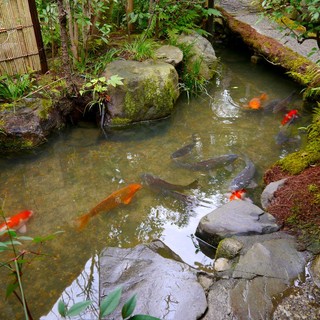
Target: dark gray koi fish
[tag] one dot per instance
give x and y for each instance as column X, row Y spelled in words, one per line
column 168, row 189
column 278, row 105
column 244, row 178
column 209, row 164
column 284, row 136
column 183, row 151
column 156, row 183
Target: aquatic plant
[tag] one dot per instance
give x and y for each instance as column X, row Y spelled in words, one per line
column 107, row 306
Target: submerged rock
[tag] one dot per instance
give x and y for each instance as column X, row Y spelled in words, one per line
column 235, row 218
column 165, row 288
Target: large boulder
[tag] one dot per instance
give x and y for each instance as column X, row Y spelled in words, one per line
column 31, row 122
column 202, row 51
column 149, row 91
column 235, row 218
column 165, row 288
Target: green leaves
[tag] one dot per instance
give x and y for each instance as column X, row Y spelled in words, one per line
column 110, row 303
column 129, row 307
column 107, row 306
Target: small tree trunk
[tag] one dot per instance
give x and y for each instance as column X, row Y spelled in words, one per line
column 66, row 66
column 128, row 11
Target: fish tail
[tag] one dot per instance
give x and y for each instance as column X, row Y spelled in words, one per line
column 193, row 185
column 82, row 221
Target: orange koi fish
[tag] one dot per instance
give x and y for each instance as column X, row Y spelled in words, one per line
column 238, row 195
column 292, row 114
column 123, row 196
column 255, row 103
column 17, row 222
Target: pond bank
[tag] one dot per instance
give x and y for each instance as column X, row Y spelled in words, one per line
column 267, row 41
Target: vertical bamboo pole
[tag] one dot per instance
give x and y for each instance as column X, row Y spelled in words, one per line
column 37, row 33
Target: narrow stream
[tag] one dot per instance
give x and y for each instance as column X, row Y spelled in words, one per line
column 79, row 167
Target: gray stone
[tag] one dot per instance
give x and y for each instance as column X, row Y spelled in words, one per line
column 219, row 307
column 253, row 299
column 268, row 193
column 222, row 264
column 202, row 50
column 169, row 54
column 276, row 258
column 165, row 288
column 235, row 218
column 32, row 122
column 149, row 91
column 228, row 248
column 315, row 270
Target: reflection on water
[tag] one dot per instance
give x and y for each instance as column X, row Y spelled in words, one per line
column 79, row 167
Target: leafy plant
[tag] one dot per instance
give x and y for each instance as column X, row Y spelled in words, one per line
column 107, row 306
column 98, row 87
column 140, row 49
column 304, row 22
column 15, row 87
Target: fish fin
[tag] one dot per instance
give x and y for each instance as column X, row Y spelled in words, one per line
column 82, row 221
column 23, row 229
column 252, row 184
column 193, row 185
column 127, row 200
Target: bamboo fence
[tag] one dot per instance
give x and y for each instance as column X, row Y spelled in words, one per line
column 19, row 51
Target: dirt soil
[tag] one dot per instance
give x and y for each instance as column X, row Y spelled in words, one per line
column 296, row 205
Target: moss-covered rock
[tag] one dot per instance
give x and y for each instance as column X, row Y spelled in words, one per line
column 27, row 123
column 149, row 91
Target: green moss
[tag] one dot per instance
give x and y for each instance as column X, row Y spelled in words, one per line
column 315, row 191
column 46, row 105
column 162, row 99
column 296, row 162
column 117, row 121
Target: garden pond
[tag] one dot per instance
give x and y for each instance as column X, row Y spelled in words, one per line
column 79, row 167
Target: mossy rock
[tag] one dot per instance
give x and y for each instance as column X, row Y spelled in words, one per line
column 149, row 91
column 27, row 124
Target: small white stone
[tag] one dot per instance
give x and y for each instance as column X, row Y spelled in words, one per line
column 222, row 264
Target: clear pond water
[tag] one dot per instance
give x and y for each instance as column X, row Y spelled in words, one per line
column 79, row 167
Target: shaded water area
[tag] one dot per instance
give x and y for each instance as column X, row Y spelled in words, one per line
column 79, row 167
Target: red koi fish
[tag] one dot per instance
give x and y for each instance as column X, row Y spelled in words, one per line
column 122, row 196
column 255, row 103
column 238, row 195
column 17, row 222
column 292, row 114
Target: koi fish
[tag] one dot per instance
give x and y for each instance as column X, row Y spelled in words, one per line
column 121, row 196
column 290, row 116
column 156, row 183
column 17, row 222
column 255, row 103
column 277, row 105
column 183, row 151
column 244, row 178
column 209, row 163
column 238, row 195
column 168, row 189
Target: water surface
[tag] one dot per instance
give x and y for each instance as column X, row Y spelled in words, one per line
column 79, row 167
